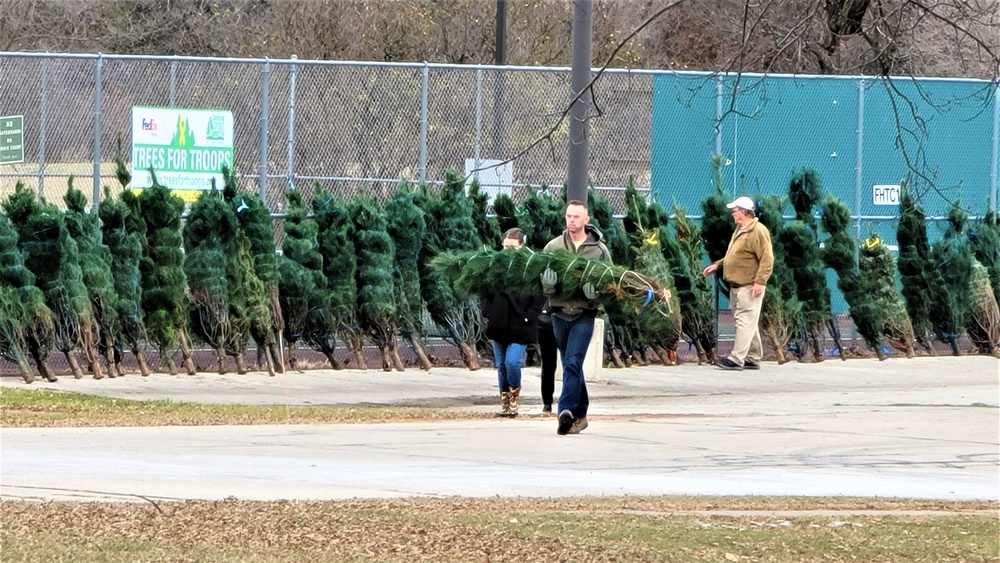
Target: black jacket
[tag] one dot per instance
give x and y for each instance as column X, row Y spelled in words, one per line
column 511, row 320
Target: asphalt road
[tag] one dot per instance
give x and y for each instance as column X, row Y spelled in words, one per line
column 922, row 428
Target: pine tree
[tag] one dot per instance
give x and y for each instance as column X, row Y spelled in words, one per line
column 645, row 227
column 449, row 228
column 487, row 227
column 542, row 217
column 126, row 247
column 376, row 290
column 952, row 259
column 208, row 238
column 260, row 268
column 407, row 228
column 303, row 289
column 801, row 243
column 506, row 214
column 164, row 304
column 918, row 278
column 26, row 327
column 336, row 243
column 53, row 257
column 867, row 282
column 95, row 265
column 781, row 311
column 685, row 255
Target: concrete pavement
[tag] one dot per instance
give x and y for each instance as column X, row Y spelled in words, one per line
column 926, row 428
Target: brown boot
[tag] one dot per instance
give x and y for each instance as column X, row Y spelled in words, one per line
column 515, row 398
column 504, row 404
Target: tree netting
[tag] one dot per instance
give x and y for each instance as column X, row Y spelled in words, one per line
column 95, row 267
column 266, row 323
column 335, row 241
column 645, row 226
column 376, row 290
column 26, row 327
column 407, row 228
column 164, row 303
column 303, row 287
column 801, row 246
column 866, row 276
column 209, row 235
column 123, row 230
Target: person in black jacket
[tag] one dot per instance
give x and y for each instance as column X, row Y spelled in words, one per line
column 510, row 324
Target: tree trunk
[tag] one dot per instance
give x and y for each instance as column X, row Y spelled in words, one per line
column 418, row 348
column 616, row 358
column 74, row 364
column 293, row 362
column 141, row 360
column 241, row 363
column 333, row 361
column 468, row 356
column 25, row 369
column 169, row 361
column 276, row 358
column 779, row 347
column 186, row 352
column 110, row 353
column 386, row 357
column 397, row 362
column 220, row 360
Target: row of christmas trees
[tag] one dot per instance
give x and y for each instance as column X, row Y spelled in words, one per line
column 137, row 275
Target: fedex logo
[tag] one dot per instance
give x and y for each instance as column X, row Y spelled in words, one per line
column 149, row 124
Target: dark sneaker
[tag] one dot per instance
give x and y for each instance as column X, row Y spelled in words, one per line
column 726, row 363
column 579, row 426
column 750, row 365
column 566, row 421
column 547, row 409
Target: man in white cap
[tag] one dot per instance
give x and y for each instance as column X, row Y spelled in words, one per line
column 746, row 267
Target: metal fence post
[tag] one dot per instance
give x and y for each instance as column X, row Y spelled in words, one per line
column 424, row 82
column 718, row 115
column 43, row 117
column 291, row 125
column 97, row 133
column 996, row 146
column 479, row 121
column 858, row 163
column 264, row 111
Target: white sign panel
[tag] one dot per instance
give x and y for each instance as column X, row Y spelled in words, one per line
column 494, row 178
column 885, row 194
column 186, row 147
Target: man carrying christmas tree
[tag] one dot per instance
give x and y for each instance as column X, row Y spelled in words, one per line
column 746, row 266
column 572, row 317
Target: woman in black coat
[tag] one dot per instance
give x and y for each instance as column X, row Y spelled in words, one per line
column 510, row 324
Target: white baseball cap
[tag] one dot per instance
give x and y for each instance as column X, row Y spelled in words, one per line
column 743, row 202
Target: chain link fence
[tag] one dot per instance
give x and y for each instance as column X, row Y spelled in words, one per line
column 347, row 126
column 353, row 126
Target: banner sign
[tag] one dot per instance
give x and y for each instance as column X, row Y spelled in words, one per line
column 11, row 139
column 186, row 147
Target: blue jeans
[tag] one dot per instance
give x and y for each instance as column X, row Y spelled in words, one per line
column 507, row 358
column 573, row 339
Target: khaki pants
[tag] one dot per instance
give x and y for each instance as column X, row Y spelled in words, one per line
column 746, row 313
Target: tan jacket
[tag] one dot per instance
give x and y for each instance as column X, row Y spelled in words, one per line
column 591, row 249
column 750, row 258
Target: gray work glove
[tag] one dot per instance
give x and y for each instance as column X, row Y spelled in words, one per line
column 589, row 291
column 549, row 279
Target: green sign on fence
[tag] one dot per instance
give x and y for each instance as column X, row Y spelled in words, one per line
column 185, row 147
column 11, row 139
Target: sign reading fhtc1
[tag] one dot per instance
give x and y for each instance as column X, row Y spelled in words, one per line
column 11, row 139
column 185, row 147
column 885, row 194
